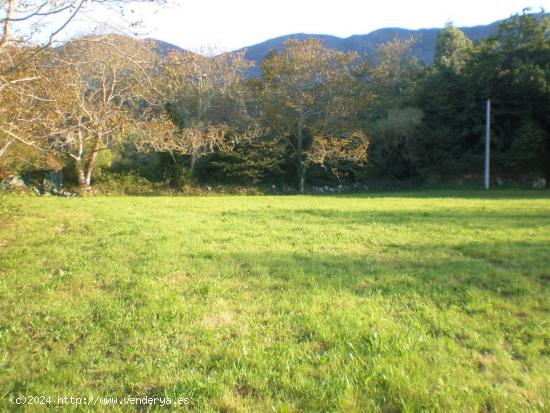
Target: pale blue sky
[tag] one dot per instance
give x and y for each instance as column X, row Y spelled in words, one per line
column 231, row 24
column 236, row 23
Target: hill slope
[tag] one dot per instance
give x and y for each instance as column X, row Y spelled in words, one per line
column 423, row 49
column 364, row 44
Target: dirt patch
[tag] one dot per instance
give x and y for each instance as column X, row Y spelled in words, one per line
column 178, row 278
column 219, row 319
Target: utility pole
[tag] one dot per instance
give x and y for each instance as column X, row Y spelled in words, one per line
column 487, row 141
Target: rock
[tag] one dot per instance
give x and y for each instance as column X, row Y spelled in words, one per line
column 539, row 183
column 13, row 182
column 51, row 184
column 18, row 182
column 62, row 192
column 4, row 185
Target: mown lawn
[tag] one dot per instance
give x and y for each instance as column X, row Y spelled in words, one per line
column 426, row 301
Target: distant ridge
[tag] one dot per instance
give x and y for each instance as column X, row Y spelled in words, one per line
column 364, row 44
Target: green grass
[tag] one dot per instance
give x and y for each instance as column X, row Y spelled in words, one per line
column 427, row 301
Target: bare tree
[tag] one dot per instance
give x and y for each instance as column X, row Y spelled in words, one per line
column 41, row 22
column 308, row 101
column 95, row 98
column 204, row 94
column 21, row 91
column 27, row 30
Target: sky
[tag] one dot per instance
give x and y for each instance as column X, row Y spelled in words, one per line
column 232, row 24
column 219, row 25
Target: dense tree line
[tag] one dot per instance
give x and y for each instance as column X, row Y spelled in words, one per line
column 112, row 106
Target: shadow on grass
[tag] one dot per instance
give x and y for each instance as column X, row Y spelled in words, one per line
column 507, row 270
column 495, row 194
column 450, row 216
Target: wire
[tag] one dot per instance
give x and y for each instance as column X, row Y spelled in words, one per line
column 513, row 112
column 521, row 101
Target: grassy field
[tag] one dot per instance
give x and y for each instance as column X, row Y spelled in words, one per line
column 427, row 301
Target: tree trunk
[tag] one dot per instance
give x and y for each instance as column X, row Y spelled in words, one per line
column 91, row 162
column 302, row 177
column 81, row 176
column 193, row 162
column 85, row 175
column 302, row 167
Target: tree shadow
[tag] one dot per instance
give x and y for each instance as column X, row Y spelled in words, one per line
column 494, row 194
column 450, row 276
column 470, row 217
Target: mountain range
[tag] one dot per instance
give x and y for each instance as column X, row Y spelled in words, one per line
column 364, row 44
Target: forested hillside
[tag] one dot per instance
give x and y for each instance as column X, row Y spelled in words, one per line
column 120, row 114
column 423, row 48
